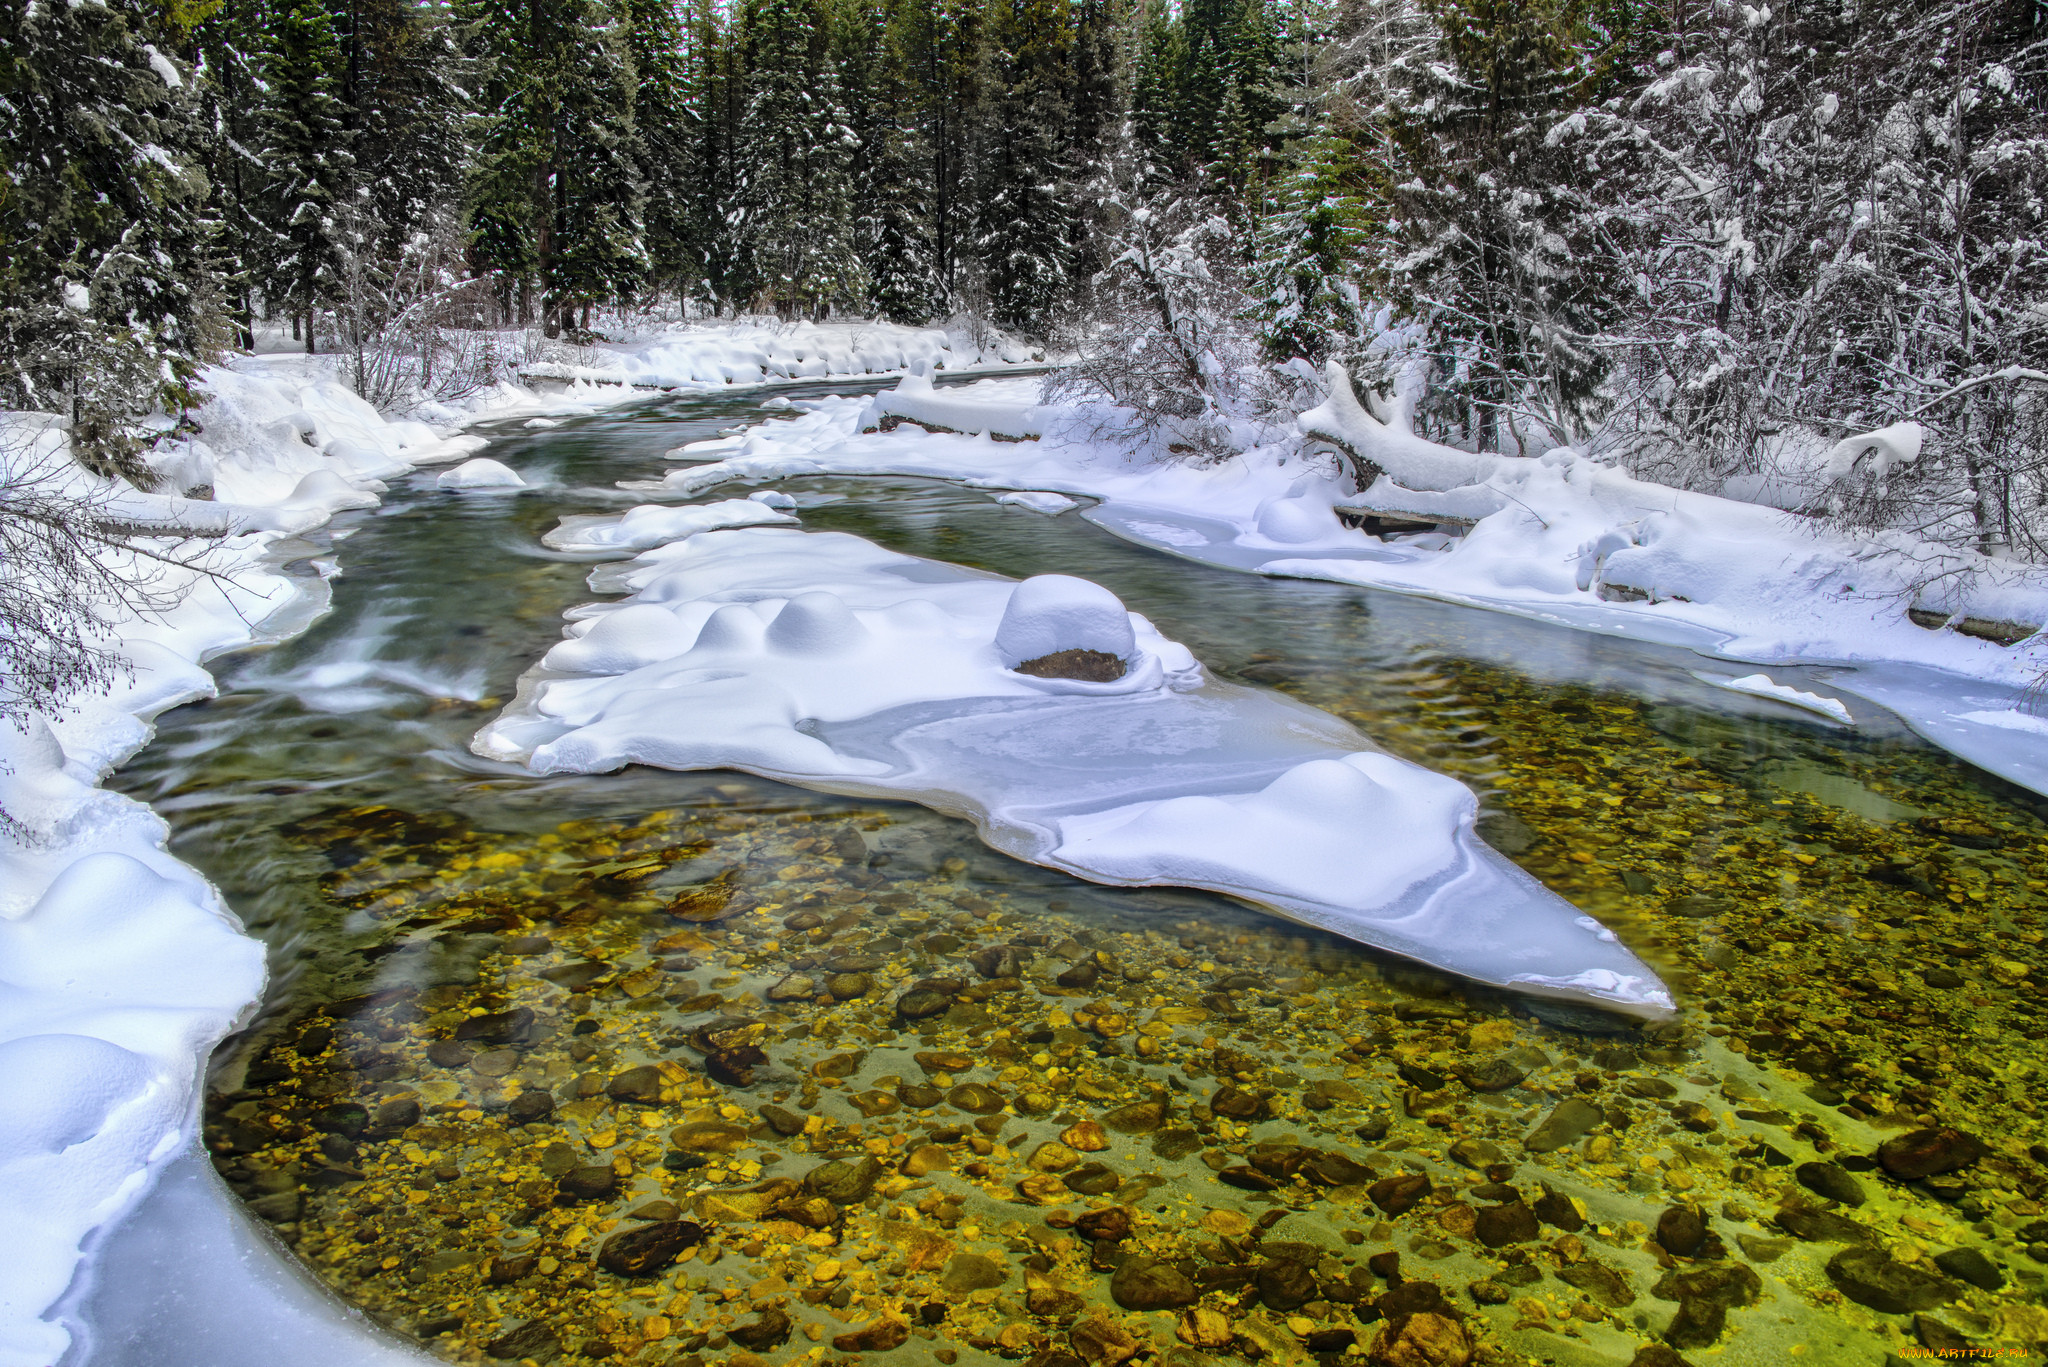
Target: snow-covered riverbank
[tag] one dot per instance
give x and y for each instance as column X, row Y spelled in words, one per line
column 1561, row 538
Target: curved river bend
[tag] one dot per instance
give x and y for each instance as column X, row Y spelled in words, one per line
column 494, row 997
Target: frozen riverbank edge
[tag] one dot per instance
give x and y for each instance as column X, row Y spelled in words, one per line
column 1560, row 538
column 120, row 966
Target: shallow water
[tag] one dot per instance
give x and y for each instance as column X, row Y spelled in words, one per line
column 1851, row 922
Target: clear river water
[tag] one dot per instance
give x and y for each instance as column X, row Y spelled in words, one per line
column 532, row 1084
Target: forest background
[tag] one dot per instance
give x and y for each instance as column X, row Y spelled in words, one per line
column 1703, row 239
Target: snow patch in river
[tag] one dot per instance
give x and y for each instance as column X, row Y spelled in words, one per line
column 824, row 660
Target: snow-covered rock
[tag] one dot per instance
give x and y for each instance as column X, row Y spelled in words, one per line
column 1049, row 613
column 481, row 473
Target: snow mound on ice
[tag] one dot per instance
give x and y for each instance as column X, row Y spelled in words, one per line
column 1038, row 501
column 1763, row 686
column 1048, row 613
column 653, row 525
column 824, row 660
column 61, row 1089
column 481, row 473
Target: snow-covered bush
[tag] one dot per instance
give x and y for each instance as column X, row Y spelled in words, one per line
column 1168, row 352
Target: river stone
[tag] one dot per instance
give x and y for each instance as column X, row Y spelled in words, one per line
column 1176, row 1143
column 577, row 976
column 784, row 1122
column 922, row 1003
column 1705, row 1295
column 1398, row 1193
column 924, row 1159
column 1140, row 1117
column 533, row 1340
column 975, row 1099
column 1337, row 1170
column 1285, row 1284
column 1970, row 1265
column 1872, row 1278
column 399, row 1114
column 1568, row 1123
column 919, row 1096
column 1493, row 1075
column 1600, row 1282
column 854, row 963
column 1681, row 1230
column 972, row 1272
column 842, row 1183
column 792, row 988
column 1477, row 1154
column 493, row 1027
column 848, row 987
column 588, row 1184
column 1082, row 975
column 641, row 1085
column 1510, row 1223
column 770, row 1329
column 1094, row 1179
column 647, row 1250
column 1146, row 1284
column 1925, row 1153
column 1830, row 1180
column 1052, row 1156
column 530, row 1107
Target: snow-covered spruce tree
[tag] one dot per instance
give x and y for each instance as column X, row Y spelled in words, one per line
column 1164, row 349
column 665, row 114
column 1025, row 226
column 1483, row 247
column 406, row 109
column 106, row 299
column 224, row 49
column 891, row 167
column 307, row 167
column 554, row 201
column 794, row 194
column 1310, row 238
column 940, row 44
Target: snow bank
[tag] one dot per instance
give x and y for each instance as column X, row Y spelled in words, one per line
column 824, row 660
column 754, row 351
column 120, row 967
column 1562, row 538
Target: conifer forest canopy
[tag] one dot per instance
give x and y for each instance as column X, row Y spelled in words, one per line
column 1684, row 233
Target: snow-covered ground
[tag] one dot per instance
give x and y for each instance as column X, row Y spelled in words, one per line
column 824, row 660
column 1560, row 538
column 120, row 967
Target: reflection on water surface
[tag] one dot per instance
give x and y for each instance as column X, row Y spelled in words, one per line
column 700, row 1069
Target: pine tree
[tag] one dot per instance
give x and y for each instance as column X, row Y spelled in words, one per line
column 106, row 298
column 891, row 166
column 1026, row 227
column 795, row 195
column 1307, row 252
column 665, row 114
column 307, row 166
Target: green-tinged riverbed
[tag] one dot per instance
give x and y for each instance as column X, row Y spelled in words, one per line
column 704, row 1070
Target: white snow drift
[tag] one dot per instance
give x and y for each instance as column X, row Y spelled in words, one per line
column 824, row 660
column 1562, row 538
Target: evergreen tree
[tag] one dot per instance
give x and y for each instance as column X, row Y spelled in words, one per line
column 794, row 193
column 1026, row 226
column 665, row 115
column 1307, row 252
column 891, row 166
column 307, row 166
column 106, row 298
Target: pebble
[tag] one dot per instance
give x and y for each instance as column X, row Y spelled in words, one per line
column 1970, row 1265
column 1510, row 1223
column 972, row 1272
column 1146, row 1284
column 924, row 1159
column 1925, row 1153
column 1051, row 1156
column 647, row 1250
column 1395, row 1195
column 1681, row 1230
column 848, row 987
column 1871, row 1277
column 1831, row 1181
column 975, row 1099
column 922, row 1004
column 641, row 1085
column 1571, row 1121
column 1086, row 1136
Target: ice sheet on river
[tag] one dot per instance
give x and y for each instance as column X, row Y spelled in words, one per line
column 824, row 660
